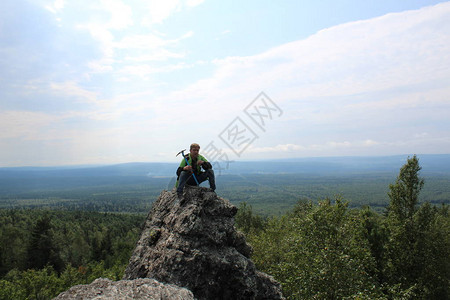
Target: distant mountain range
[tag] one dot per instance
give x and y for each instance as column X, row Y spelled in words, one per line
column 431, row 165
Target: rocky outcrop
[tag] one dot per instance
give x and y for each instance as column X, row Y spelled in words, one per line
column 188, row 248
column 193, row 243
column 142, row 288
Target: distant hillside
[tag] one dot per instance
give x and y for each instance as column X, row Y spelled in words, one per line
column 431, row 164
column 127, row 169
column 271, row 186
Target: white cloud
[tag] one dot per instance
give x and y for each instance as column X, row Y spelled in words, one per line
column 100, row 66
column 276, row 149
column 408, row 144
column 370, row 143
column 353, row 76
column 144, row 70
column 193, row 3
column 56, row 6
column 392, row 51
column 123, row 43
column 72, row 89
column 161, row 10
column 121, row 15
column 326, row 147
column 102, row 34
column 149, row 47
column 158, row 11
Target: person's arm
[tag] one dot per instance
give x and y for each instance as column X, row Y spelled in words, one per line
column 206, row 165
column 179, row 170
column 185, row 168
column 181, row 167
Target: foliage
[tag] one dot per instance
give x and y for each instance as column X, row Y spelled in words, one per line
column 248, row 221
column 318, row 252
column 46, row 283
column 404, row 194
column 42, row 253
column 41, row 249
column 330, row 251
column 419, row 247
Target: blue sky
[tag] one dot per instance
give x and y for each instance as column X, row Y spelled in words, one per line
column 100, row 81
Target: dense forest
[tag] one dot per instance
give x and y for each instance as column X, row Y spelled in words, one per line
column 43, row 253
column 323, row 249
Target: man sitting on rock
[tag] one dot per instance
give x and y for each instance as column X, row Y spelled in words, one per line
column 186, row 171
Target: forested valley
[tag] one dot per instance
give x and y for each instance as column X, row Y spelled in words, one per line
column 325, row 249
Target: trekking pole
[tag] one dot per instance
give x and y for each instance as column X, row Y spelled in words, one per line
column 187, row 163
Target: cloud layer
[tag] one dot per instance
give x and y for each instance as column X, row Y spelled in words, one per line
column 101, row 82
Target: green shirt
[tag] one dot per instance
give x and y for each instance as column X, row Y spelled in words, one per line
column 199, row 168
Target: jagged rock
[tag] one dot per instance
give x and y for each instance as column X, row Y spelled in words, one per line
column 193, row 243
column 190, row 243
column 142, row 288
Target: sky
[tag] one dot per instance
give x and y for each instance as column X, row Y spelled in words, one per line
column 111, row 81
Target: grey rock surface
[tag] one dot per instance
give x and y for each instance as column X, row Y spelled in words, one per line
column 193, row 243
column 142, row 288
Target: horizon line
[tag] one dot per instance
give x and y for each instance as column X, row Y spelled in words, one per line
column 231, row 161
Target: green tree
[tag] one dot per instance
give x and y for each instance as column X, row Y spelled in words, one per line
column 404, row 194
column 417, row 250
column 376, row 235
column 12, row 251
column 41, row 250
column 246, row 220
column 318, row 252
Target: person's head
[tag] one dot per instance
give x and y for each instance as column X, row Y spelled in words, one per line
column 194, row 150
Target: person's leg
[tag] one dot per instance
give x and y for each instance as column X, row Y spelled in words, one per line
column 211, row 179
column 184, row 176
column 208, row 175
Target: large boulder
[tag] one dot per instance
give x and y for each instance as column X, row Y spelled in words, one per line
column 193, row 243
